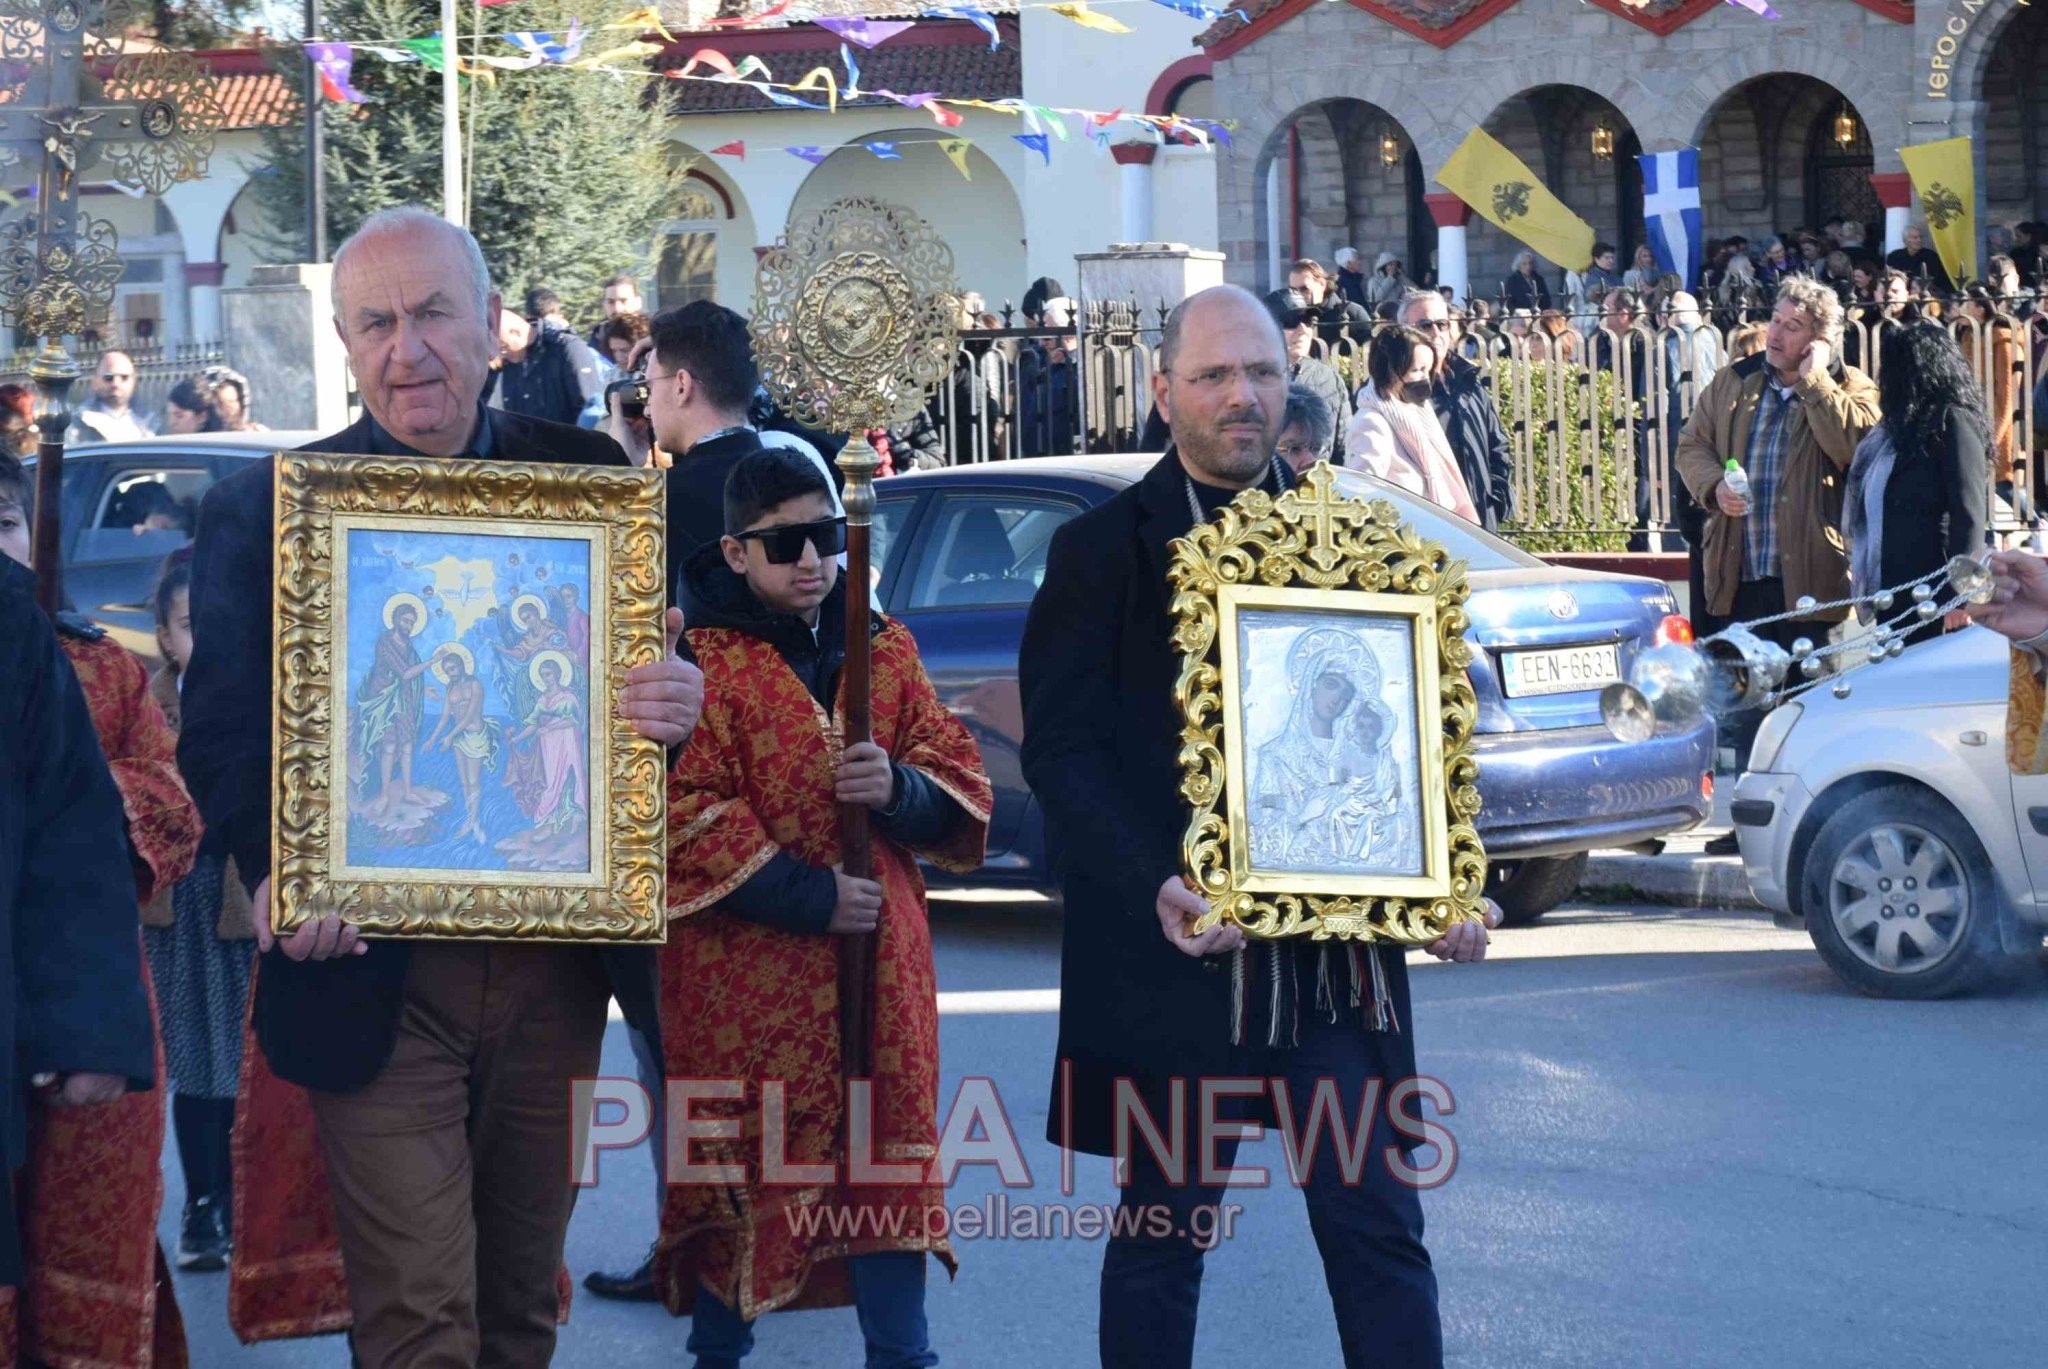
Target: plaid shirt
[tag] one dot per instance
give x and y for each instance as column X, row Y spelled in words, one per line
column 1769, row 439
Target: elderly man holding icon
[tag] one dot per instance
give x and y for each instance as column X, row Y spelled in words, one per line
column 437, row 1072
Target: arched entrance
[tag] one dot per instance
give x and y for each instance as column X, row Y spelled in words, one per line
column 981, row 218
column 1347, row 174
column 1585, row 150
column 1787, row 151
column 2016, row 119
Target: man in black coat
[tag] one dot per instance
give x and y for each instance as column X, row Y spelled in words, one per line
column 438, row 1071
column 1144, row 1003
column 544, row 370
column 74, row 1008
column 1458, row 394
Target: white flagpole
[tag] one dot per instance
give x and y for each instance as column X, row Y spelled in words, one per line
column 451, row 121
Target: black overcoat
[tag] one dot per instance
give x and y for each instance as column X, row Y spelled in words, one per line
column 327, row 1024
column 1101, row 747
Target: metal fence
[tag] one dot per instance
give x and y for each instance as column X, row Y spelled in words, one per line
column 157, row 368
column 1593, row 416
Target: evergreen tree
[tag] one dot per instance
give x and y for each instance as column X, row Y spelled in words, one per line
column 569, row 171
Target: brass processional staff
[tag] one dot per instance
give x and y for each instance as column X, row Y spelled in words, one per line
column 854, row 323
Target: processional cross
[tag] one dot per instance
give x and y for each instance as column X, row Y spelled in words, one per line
column 147, row 119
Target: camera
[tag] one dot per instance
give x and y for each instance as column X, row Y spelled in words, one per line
column 632, row 393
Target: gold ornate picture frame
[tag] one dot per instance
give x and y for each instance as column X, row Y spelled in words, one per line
column 1326, row 738
column 447, row 755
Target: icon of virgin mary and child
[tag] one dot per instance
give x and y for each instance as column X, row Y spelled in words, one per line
column 1326, row 789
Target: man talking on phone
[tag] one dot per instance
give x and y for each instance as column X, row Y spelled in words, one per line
column 1785, row 424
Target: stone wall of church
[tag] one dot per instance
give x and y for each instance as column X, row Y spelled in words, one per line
column 1664, row 89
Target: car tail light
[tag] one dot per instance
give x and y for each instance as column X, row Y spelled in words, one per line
column 1707, row 786
column 1674, row 630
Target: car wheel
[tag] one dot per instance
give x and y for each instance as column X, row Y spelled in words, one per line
column 1899, row 899
column 1527, row 889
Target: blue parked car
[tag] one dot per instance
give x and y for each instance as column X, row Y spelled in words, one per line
column 962, row 551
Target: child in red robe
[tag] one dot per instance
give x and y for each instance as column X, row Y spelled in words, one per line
column 750, row 972
column 97, row 1289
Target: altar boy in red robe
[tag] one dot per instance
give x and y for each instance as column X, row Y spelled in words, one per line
column 96, row 1289
column 749, row 987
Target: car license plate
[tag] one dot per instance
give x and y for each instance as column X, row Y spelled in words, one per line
column 1566, row 670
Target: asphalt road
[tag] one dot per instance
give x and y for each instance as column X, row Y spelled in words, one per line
column 1681, row 1142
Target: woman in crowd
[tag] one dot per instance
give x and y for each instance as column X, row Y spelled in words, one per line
column 189, row 408
column 1395, row 434
column 1839, row 275
column 231, row 400
column 1983, row 329
column 1737, row 293
column 1558, row 340
column 1524, row 289
column 1747, row 340
column 1308, row 430
column 1916, row 494
column 17, row 420
column 1643, row 276
column 200, row 940
column 617, row 334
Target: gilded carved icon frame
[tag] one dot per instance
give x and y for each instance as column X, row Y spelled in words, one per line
column 1329, row 852
column 532, row 812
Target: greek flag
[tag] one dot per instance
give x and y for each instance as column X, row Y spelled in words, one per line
column 1671, row 210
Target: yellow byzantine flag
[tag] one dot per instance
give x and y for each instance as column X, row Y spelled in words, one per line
column 956, row 149
column 1946, row 180
column 1507, row 195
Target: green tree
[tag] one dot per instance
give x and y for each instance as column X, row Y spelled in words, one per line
column 569, row 171
column 1581, row 494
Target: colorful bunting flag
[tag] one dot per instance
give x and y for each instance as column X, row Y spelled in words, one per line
column 427, row 50
column 852, row 71
column 886, row 151
column 750, row 65
column 645, row 19
column 625, row 52
column 821, row 76
column 813, row 155
column 732, row 149
column 1756, row 7
column 335, row 62
column 710, row 57
column 775, row 96
column 863, row 31
column 956, row 150
column 523, row 63
column 1078, row 11
column 1195, row 9
column 1037, row 143
column 981, row 19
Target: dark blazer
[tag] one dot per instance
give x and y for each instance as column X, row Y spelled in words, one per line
column 1477, row 439
column 1101, row 745
column 696, row 498
column 70, row 959
column 326, row 1024
column 1936, row 505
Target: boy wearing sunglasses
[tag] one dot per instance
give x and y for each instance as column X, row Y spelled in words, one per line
column 749, row 997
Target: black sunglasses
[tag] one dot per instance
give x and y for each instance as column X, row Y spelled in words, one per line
column 784, row 545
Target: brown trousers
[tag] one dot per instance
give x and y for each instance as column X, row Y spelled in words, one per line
column 451, row 1169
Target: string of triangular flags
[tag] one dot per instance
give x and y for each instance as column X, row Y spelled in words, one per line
column 334, row 61
column 883, row 149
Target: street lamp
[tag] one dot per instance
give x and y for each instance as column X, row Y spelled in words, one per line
column 1603, row 142
column 1390, row 149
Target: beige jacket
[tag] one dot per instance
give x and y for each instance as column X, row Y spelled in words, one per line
column 1835, row 411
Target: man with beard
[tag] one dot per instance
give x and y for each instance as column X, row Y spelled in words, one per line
column 1142, row 1001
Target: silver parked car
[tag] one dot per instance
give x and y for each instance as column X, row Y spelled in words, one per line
column 1888, row 824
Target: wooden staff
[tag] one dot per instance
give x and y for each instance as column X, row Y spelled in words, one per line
column 54, row 373
column 858, row 461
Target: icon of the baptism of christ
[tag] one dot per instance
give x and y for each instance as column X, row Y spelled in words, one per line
column 468, row 702
column 452, row 639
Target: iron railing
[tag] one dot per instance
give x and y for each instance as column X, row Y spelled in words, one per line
column 1593, row 418
column 157, row 368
